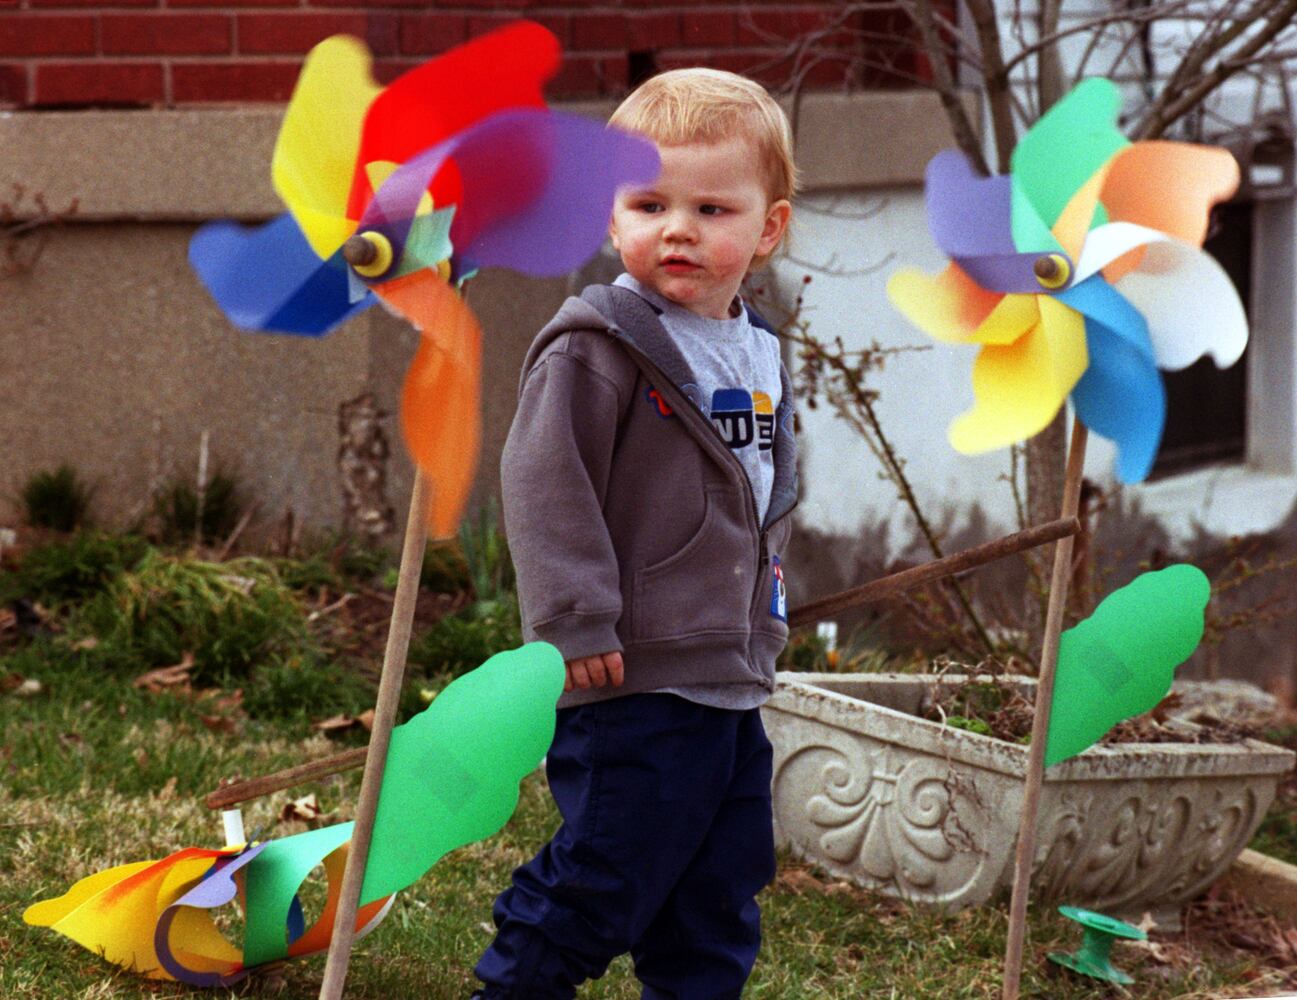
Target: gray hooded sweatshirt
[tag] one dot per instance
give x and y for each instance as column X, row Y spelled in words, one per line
column 632, row 524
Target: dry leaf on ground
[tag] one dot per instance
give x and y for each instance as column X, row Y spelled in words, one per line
column 166, row 678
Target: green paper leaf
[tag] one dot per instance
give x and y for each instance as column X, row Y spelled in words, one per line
column 451, row 778
column 1120, row 661
column 453, row 770
column 1063, row 150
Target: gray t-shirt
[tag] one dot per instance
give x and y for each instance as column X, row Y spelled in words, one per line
column 736, row 382
column 735, row 367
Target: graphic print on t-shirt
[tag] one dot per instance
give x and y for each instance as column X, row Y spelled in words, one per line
column 765, row 414
column 733, row 417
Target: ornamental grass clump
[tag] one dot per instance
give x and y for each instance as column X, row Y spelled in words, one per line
column 71, row 570
column 230, row 617
column 58, row 500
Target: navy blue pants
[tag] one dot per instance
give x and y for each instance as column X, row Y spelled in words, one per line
column 666, row 841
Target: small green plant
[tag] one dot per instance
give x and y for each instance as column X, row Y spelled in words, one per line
column 445, row 570
column 72, row 570
column 459, row 643
column 805, row 651
column 230, row 616
column 58, row 500
column 486, row 554
column 177, row 509
column 303, row 686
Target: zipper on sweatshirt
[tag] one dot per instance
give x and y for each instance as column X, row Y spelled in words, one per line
column 660, row 379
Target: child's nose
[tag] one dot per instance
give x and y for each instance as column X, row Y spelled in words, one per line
column 679, row 226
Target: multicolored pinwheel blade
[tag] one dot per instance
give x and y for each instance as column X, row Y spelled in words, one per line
column 1079, row 274
column 456, row 166
column 451, row 778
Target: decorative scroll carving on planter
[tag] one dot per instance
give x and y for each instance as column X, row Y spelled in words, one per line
column 1160, row 846
column 894, row 820
column 904, row 806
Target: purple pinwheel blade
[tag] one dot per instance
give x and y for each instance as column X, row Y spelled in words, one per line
column 538, row 188
column 971, row 220
column 269, row 278
column 574, row 166
column 1121, row 395
column 216, row 889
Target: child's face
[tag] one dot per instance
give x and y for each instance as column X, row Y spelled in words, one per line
column 691, row 234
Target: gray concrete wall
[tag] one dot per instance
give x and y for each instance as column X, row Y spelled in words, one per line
column 116, row 360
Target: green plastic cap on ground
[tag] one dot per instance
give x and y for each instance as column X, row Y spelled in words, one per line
column 1120, row 661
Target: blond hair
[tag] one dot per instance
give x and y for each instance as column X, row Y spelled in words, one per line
column 684, row 106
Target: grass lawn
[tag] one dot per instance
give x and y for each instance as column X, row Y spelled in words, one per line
column 97, row 773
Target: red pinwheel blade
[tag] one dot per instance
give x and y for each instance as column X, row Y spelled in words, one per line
column 440, row 400
column 504, row 69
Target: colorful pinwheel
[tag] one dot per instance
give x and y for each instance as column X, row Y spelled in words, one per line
column 1078, row 273
column 455, row 166
column 451, row 778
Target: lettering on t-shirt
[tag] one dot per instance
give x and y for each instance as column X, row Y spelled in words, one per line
column 733, row 417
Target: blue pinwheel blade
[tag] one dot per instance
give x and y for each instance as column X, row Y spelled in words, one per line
column 1121, row 395
column 269, row 278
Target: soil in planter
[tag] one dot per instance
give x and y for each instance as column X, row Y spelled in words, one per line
column 992, row 703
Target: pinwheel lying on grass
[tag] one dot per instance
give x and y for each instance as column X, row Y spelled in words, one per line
column 452, row 778
column 1078, row 273
column 403, row 192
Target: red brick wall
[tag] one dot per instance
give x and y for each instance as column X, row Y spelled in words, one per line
column 86, row 53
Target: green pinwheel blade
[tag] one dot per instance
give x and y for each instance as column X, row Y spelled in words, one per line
column 1062, row 151
column 1120, row 661
column 453, row 770
column 273, row 878
column 428, row 242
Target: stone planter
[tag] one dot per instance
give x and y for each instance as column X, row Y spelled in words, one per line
column 915, row 809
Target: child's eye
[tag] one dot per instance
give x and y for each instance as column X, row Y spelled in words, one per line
column 711, row 209
column 650, row 207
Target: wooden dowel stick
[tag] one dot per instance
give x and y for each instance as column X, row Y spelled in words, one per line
column 389, row 696
column 1026, row 848
column 254, row 788
column 978, row 555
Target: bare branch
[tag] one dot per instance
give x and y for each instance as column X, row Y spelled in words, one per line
column 996, row 79
column 965, row 134
column 1172, row 104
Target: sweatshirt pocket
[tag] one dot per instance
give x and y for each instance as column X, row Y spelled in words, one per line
column 705, row 586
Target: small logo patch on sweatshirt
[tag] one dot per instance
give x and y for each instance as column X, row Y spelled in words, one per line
column 778, row 595
column 653, row 396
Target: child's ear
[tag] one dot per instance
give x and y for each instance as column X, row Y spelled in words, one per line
column 777, row 219
column 612, row 233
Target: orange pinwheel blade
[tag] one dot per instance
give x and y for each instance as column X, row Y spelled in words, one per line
column 1168, row 186
column 441, row 397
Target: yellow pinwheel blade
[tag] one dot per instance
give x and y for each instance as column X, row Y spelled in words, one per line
column 315, row 155
column 1013, row 316
column 48, row 912
column 118, row 920
column 949, row 307
column 1021, row 386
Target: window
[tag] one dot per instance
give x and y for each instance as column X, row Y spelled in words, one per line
column 1206, row 413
